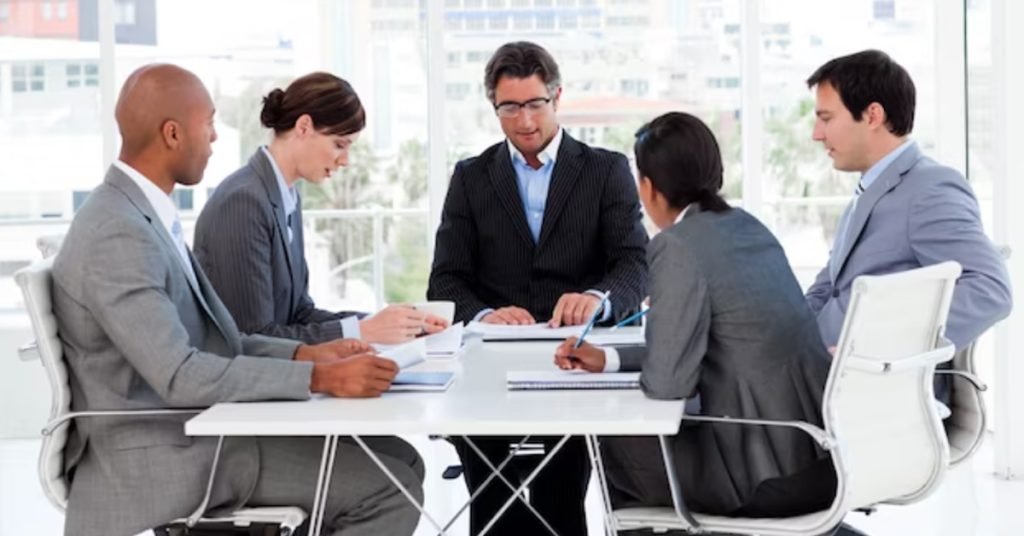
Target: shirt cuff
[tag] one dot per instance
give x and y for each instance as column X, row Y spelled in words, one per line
column 479, row 316
column 612, row 363
column 350, row 327
column 607, row 313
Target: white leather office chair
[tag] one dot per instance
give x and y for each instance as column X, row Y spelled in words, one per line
column 965, row 427
column 881, row 425
column 36, row 283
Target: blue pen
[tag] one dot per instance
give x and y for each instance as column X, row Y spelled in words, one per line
column 593, row 320
column 631, row 318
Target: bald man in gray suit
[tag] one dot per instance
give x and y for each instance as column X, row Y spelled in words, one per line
column 142, row 328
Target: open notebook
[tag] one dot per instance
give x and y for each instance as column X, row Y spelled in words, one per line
column 541, row 380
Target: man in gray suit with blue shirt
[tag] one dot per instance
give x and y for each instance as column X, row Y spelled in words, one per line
column 908, row 211
column 142, row 328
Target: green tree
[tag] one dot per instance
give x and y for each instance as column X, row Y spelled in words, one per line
column 348, row 188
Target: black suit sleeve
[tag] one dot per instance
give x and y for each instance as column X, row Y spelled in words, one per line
column 625, row 241
column 454, row 273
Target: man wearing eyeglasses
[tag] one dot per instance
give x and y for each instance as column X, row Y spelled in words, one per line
column 537, row 228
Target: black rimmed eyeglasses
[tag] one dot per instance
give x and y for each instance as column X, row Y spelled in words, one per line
column 512, row 108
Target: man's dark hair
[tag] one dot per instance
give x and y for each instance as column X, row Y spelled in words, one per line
column 871, row 76
column 521, row 59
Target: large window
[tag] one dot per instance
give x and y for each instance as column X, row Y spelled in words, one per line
column 49, row 129
column 363, row 245
column 804, row 196
column 623, row 62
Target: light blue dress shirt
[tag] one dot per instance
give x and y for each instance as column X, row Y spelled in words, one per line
column 289, row 196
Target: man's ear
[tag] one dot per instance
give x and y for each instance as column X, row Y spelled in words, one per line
column 171, row 133
column 877, row 118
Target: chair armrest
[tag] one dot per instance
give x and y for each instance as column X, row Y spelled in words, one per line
column 821, row 437
column 941, row 354
column 28, row 351
column 54, row 423
column 975, row 381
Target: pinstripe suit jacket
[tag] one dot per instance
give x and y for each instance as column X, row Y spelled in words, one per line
column 241, row 240
column 591, row 237
column 139, row 333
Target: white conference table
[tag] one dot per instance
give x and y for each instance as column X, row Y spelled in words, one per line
column 476, row 404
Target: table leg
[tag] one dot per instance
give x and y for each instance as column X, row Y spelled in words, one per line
column 373, row 456
column 323, row 484
column 495, row 473
column 517, row 492
column 593, row 447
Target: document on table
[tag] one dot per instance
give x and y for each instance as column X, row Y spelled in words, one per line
column 541, row 332
column 447, row 343
column 404, row 355
column 529, row 332
column 542, row 380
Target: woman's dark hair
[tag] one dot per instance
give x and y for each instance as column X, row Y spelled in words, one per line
column 331, row 103
column 679, row 155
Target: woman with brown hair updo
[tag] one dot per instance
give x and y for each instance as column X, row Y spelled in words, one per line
column 249, row 237
column 728, row 326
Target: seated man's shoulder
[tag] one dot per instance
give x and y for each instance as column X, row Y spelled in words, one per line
column 936, row 175
column 480, row 162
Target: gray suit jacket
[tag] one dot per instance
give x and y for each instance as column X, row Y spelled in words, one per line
column 241, row 240
column 917, row 213
column 138, row 332
column 728, row 323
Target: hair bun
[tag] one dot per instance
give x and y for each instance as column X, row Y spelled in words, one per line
column 272, row 103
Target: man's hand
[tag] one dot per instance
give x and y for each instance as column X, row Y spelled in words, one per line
column 399, row 323
column 511, row 315
column 587, row 357
column 359, row 376
column 333, row 350
column 574, row 309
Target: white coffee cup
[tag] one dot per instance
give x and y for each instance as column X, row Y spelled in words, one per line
column 441, row 309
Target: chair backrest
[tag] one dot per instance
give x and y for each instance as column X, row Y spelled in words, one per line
column 879, row 400
column 965, row 427
column 36, row 284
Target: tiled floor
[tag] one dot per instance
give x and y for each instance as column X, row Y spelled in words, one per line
column 970, row 502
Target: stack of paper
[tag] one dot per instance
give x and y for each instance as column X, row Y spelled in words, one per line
column 404, row 355
column 541, row 332
column 447, row 343
column 530, row 380
column 531, row 332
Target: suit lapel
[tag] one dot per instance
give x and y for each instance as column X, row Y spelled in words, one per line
column 216, row 309
column 889, row 179
column 567, row 170
column 265, row 171
column 122, row 182
column 503, row 178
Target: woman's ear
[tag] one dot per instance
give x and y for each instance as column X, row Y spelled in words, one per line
column 304, row 125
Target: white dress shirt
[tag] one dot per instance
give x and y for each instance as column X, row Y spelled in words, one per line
column 165, row 210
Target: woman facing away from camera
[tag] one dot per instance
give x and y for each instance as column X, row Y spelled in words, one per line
column 728, row 324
